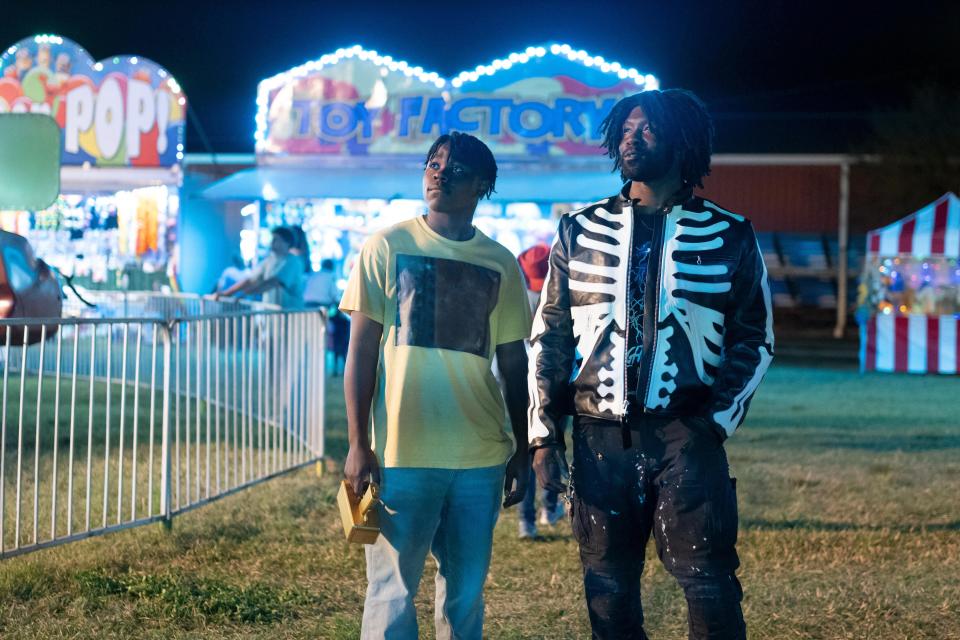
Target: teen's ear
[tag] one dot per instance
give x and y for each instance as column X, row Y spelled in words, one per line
column 484, row 185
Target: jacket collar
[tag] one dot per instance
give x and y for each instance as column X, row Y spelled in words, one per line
column 623, row 199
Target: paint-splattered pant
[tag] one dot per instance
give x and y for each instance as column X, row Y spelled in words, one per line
column 669, row 477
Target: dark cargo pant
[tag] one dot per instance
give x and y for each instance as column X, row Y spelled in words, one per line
column 671, row 477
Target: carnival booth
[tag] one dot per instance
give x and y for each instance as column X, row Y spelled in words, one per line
column 115, row 222
column 910, row 292
column 341, row 143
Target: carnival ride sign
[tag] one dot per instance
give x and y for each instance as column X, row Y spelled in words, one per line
column 123, row 111
column 546, row 101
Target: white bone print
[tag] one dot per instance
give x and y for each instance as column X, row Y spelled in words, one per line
column 590, row 322
column 699, row 323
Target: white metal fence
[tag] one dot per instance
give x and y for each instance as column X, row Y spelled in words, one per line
column 110, row 423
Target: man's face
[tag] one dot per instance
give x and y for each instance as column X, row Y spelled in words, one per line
column 279, row 246
column 449, row 185
column 642, row 159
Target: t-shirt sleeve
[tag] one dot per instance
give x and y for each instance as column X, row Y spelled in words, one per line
column 366, row 286
column 513, row 308
column 258, row 271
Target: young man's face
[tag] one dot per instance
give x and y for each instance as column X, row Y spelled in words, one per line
column 449, row 185
column 279, row 246
column 642, row 159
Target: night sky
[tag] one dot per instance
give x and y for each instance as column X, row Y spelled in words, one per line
column 779, row 76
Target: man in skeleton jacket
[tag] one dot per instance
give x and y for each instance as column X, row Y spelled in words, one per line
column 654, row 329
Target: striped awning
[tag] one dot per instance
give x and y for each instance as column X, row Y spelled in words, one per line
column 912, row 344
column 933, row 231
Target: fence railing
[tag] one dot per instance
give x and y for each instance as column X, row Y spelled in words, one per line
column 111, row 423
column 149, row 304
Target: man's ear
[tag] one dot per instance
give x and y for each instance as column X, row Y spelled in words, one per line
column 484, row 185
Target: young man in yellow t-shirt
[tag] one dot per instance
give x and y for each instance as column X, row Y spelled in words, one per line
column 432, row 300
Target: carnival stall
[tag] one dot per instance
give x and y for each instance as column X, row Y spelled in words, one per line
column 910, row 292
column 341, row 141
column 115, row 222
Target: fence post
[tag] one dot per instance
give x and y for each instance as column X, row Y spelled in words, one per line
column 166, row 331
column 321, row 356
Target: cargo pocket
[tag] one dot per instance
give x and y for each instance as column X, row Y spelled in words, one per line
column 725, row 519
column 684, row 526
column 580, row 523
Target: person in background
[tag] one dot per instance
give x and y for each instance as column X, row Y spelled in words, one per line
column 322, row 292
column 301, row 247
column 279, row 278
column 533, row 263
column 431, row 300
column 321, row 288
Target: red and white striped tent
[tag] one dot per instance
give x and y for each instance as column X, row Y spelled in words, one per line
column 915, row 343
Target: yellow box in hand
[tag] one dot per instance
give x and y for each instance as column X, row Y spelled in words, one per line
column 361, row 522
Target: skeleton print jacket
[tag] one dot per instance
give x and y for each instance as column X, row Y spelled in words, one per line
column 707, row 336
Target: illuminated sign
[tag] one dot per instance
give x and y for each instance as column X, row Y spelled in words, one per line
column 124, row 111
column 544, row 101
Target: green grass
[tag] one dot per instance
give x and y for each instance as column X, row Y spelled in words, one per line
column 848, row 490
column 230, row 463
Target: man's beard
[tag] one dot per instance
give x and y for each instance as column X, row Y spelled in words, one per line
column 647, row 165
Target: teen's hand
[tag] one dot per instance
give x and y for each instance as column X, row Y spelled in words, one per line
column 361, row 468
column 550, row 465
column 515, row 481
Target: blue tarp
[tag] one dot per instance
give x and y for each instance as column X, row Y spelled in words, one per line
column 282, row 183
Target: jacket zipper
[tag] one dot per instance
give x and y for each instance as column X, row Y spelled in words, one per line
column 647, row 356
column 626, row 332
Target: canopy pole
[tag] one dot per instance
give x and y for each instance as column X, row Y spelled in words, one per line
column 843, row 234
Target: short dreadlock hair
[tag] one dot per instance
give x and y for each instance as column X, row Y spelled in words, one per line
column 678, row 118
column 472, row 152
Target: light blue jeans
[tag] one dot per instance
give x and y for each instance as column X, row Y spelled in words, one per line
column 450, row 513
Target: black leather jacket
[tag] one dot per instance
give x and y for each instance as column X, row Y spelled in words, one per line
column 707, row 325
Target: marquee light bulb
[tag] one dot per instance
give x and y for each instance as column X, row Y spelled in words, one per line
column 269, row 85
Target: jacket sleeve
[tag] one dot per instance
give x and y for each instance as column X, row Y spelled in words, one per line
column 747, row 342
column 552, row 351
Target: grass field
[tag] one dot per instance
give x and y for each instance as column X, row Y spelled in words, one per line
column 850, row 528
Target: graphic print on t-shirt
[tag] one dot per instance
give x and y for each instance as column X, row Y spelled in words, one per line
column 445, row 304
column 638, row 286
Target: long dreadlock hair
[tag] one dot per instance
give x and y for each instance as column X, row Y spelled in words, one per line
column 679, row 119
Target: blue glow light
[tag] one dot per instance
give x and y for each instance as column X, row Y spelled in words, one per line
column 644, row 81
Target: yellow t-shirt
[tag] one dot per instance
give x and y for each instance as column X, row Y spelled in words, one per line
column 445, row 306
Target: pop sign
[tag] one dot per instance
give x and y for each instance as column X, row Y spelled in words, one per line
column 544, row 101
column 124, row 111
